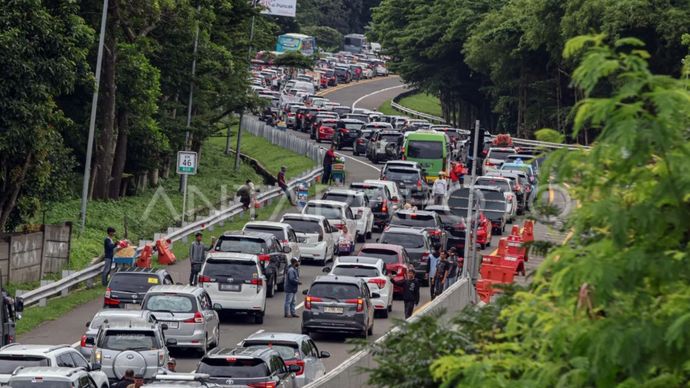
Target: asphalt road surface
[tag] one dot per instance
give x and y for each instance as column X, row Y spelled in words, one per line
column 70, row 327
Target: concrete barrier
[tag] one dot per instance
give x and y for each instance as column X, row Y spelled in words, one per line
column 350, row 374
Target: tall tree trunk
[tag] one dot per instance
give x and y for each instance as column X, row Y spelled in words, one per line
column 120, row 155
column 10, row 192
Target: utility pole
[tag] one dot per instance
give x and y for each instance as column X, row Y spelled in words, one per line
column 470, row 248
column 239, row 126
column 183, row 178
column 92, row 120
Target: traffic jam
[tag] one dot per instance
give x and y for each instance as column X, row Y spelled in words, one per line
column 381, row 244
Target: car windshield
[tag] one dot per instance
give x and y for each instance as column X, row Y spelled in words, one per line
column 398, row 175
column 497, row 154
column 8, row 362
column 414, row 220
column 279, row 233
column 358, row 271
column 503, row 185
column 169, row 302
column 338, row 291
column 304, row 226
column 330, row 212
column 129, row 340
column 425, row 149
column 233, row 367
column 352, row 200
column 405, row 239
column 388, row 256
column 372, row 192
column 241, row 244
column 287, row 351
column 43, row 382
column 234, row 269
column 131, row 282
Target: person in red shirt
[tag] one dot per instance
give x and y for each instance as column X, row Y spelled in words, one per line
column 283, row 185
column 456, row 174
column 328, row 165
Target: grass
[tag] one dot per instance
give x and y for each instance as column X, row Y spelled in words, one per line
column 387, row 109
column 423, row 102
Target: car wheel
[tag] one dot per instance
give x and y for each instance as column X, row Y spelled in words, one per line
column 305, row 332
column 364, row 334
column 216, row 343
column 370, row 331
column 354, row 152
column 384, row 314
column 204, row 349
column 259, row 318
column 272, row 289
column 390, row 307
column 361, row 237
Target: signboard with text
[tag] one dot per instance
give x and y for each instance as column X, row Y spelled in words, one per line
column 187, row 162
column 279, row 7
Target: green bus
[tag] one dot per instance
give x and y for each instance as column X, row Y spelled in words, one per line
column 431, row 149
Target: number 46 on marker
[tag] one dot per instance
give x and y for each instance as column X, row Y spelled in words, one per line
column 187, row 162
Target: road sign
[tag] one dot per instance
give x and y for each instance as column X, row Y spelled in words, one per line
column 187, row 162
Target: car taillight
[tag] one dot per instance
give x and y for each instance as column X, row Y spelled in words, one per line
column 291, row 115
column 384, row 206
column 161, row 358
column 108, row 300
column 358, row 301
column 381, row 283
column 435, row 232
column 197, row 318
column 425, row 256
column 266, row 384
column 204, row 279
column 459, row 226
column 107, row 292
column 285, row 241
column 257, row 282
column 488, row 163
column 309, row 300
column 83, row 341
column 419, row 184
column 264, row 258
column 360, row 141
column 339, row 226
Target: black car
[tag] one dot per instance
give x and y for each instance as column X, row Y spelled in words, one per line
column 411, row 184
column 251, row 366
column 422, row 219
column 380, row 201
column 343, row 74
column 346, row 133
column 128, row 286
column 453, row 224
column 269, row 249
column 360, row 145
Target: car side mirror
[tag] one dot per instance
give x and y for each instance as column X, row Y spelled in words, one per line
column 305, row 292
column 171, row 342
column 326, row 269
column 375, row 295
column 164, row 326
column 324, row 354
column 294, row 368
column 287, row 249
column 94, row 366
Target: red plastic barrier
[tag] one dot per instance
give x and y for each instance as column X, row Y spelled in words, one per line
column 485, row 290
column 528, row 231
column 144, row 259
column 497, row 273
column 165, row 255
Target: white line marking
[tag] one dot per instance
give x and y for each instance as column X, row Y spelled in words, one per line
column 354, row 104
column 256, row 332
column 299, row 306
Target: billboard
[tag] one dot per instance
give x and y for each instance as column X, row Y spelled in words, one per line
column 279, row 7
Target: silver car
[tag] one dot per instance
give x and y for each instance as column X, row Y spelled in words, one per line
column 188, row 313
column 295, row 349
column 109, row 316
column 132, row 345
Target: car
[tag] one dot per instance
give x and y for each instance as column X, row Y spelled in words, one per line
column 127, row 287
column 423, row 219
column 325, row 130
column 64, row 377
column 535, row 161
column 330, row 76
column 384, row 145
column 520, row 167
column 396, row 195
column 381, row 71
column 109, row 316
column 394, row 256
column 316, row 122
column 343, row 74
column 342, row 110
column 340, row 304
column 520, row 185
column 401, row 163
column 272, row 255
column 235, row 282
column 315, row 236
column 506, row 185
column 359, row 203
column 495, row 158
column 373, row 270
column 338, row 214
column 418, row 246
column 411, row 183
column 380, row 201
column 17, row 355
column 454, row 225
column 295, row 349
column 346, row 133
column 362, row 117
column 283, row 232
column 251, row 366
column 135, row 345
column 291, row 114
column 481, row 225
column 360, row 144
column 188, row 313
column 495, row 207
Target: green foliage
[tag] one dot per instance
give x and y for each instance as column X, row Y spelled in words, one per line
column 294, row 60
column 327, row 38
column 346, row 16
column 550, row 135
column 423, row 102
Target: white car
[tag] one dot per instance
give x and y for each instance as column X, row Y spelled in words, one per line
column 338, row 214
column 235, row 282
column 359, row 203
column 495, row 158
column 396, row 196
column 381, row 71
column 54, row 377
column 314, row 236
column 15, row 355
column 373, row 270
column 282, row 231
column 505, row 185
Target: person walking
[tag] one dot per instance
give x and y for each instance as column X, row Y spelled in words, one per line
column 291, row 286
column 109, row 245
column 246, row 194
column 441, row 274
column 410, row 291
column 431, row 269
column 453, row 265
column 126, row 380
column 283, row 184
column 328, row 159
column 440, row 188
column 197, row 256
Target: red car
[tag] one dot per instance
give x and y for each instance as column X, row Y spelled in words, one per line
column 394, row 256
column 326, row 130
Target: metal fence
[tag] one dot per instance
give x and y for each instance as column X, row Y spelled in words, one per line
column 283, row 138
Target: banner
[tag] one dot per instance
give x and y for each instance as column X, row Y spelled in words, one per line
column 279, row 7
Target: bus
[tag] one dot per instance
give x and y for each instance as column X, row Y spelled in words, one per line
column 355, row 43
column 430, row 149
column 305, row 44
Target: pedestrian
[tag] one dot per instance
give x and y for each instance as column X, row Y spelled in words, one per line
column 328, row 159
column 410, row 291
column 439, row 189
column 291, row 286
column 126, row 380
column 246, row 194
column 431, row 269
column 172, row 365
column 197, row 256
column 455, row 175
column 453, row 266
column 283, row 185
column 109, row 245
column 138, row 381
column 441, row 274
column 459, row 171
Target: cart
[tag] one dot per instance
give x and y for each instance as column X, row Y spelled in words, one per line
column 338, row 174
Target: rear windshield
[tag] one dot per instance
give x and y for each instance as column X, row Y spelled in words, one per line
column 352, row 200
column 388, row 256
column 278, row 232
column 493, row 195
column 363, row 118
column 240, row 244
column 503, row 185
column 324, row 210
column 372, row 192
column 390, row 138
column 287, row 351
column 8, row 363
column 357, row 271
column 494, row 205
column 404, row 239
column 351, row 126
column 169, row 302
column 450, row 219
column 233, row 368
column 338, row 291
column 303, row 226
column 523, row 168
column 234, row 269
column 496, row 154
column 425, row 149
column 43, row 382
column 129, row 340
column 129, row 282
column 402, row 175
column 414, row 220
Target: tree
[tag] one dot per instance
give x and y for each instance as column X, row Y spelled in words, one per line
column 327, row 38
column 43, row 50
column 294, row 60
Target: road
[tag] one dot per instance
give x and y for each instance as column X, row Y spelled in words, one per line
column 70, row 327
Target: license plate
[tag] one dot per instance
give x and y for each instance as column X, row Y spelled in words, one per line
column 172, row 324
column 333, row 310
column 229, row 287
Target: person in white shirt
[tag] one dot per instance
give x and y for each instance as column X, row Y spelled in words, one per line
column 440, row 188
